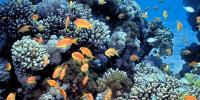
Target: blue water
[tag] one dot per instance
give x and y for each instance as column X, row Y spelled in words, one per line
column 176, row 12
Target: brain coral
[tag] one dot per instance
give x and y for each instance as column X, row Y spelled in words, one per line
column 29, row 54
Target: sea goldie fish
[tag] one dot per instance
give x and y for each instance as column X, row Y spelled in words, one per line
column 179, row 26
column 111, row 52
column 11, row 96
column 77, row 56
column 63, row 43
column 86, row 51
column 83, row 23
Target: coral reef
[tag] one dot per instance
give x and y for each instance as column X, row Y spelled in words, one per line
column 14, row 15
column 192, row 56
column 54, row 52
column 4, row 74
column 193, row 79
column 194, row 48
column 29, row 54
column 116, row 80
column 74, row 78
column 160, row 37
column 117, row 23
column 54, row 20
column 28, row 57
column 3, row 41
column 192, row 15
column 151, row 82
column 133, row 11
column 52, row 94
column 98, row 37
column 118, row 39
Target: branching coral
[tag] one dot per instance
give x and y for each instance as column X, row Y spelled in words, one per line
column 97, row 37
column 118, row 39
column 193, row 79
column 29, row 54
column 116, row 80
column 190, row 54
column 74, row 79
column 28, row 57
column 50, row 25
column 133, row 10
column 14, row 15
column 160, row 37
column 151, row 82
column 54, row 20
column 52, row 94
column 63, row 9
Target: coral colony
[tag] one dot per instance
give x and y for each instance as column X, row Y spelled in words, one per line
column 81, row 50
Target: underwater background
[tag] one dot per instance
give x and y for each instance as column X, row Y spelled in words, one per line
column 99, row 50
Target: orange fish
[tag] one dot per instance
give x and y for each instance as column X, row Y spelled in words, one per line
column 24, row 29
column 62, row 73
column 86, row 52
column 46, row 60
column 77, row 56
column 53, row 83
column 85, row 80
column 157, row 19
column 84, row 67
column 40, row 27
column 134, row 58
column 8, row 67
column 111, row 52
column 39, row 39
column 189, row 97
column 179, row 26
column 63, row 43
column 145, row 15
column 108, row 94
column 31, row 80
column 198, row 20
column 82, row 23
column 168, row 51
column 11, row 96
column 67, row 21
column 193, row 64
column 62, row 92
column 56, row 72
column 35, row 17
column 88, row 96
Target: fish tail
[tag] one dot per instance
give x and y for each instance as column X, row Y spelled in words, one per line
column 117, row 53
column 75, row 41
